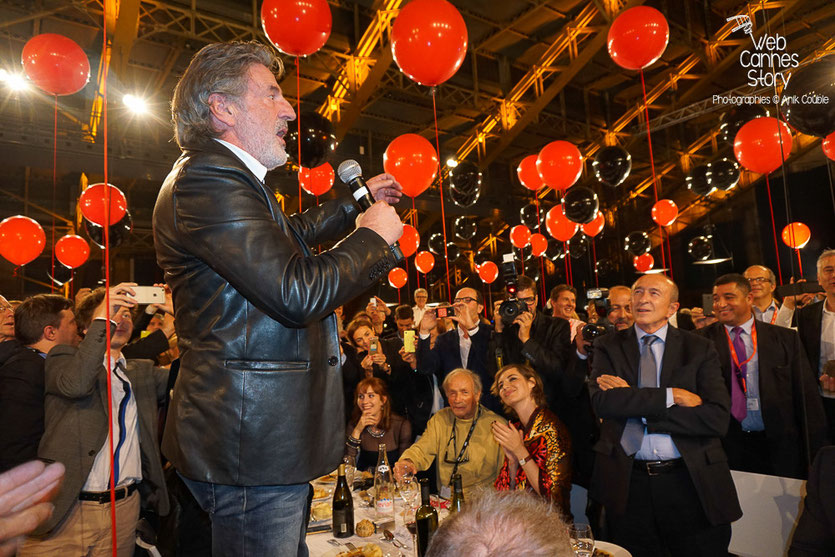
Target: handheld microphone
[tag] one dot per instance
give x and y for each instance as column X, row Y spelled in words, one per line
column 350, row 173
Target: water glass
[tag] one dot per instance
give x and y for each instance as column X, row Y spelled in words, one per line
column 582, row 541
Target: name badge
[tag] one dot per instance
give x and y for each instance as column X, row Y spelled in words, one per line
column 446, row 492
column 753, row 404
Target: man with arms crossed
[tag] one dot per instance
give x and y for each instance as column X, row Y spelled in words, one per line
column 660, row 469
column 258, row 405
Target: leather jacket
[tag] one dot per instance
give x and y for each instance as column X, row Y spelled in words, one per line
column 258, row 400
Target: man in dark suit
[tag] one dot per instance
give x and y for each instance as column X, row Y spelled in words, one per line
column 660, row 469
column 815, row 532
column 816, row 326
column 777, row 422
column 76, row 434
column 465, row 345
column 41, row 323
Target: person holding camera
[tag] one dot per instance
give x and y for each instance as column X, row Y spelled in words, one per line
column 464, row 346
column 543, row 341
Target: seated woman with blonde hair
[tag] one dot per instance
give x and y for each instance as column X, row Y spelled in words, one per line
column 537, row 447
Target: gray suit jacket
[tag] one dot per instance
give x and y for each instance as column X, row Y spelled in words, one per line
column 76, row 419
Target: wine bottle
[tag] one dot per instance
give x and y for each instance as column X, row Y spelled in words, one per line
column 457, row 501
column 383, row 487
column 343, row 507
column 426, row 519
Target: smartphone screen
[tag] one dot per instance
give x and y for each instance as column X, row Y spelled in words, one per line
column 409, row 340
column 707, row 304
column 373, row 346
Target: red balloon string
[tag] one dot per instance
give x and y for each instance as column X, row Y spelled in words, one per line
column 652, row 167
column 774, row 230
column 594, row 256
column 483, row 289
column 398, row 296
column 54, row 182
column 565, row 261
column 415, row 224
column 797, row 252
column 408, row 285
column 570, row 270
column 106, row 226
column 541, row 263
column 490, row 298
column 441, row 191
column 299, row 126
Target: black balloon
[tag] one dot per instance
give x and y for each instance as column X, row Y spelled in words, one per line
column 604, row 267
column 465, row 178
column 61, row 276
column 527, row 216
column 465, row 228
column 637, row 243
column 464, row 200
column 580, row 204
column 453, row 252
column 612, row 165
column 731, row 121
column 118, row 232
column 723, row 174
column 532, row 269
column 700, row 248
column 698, row 180
column 436, row 243
column 318, row 140
column 555, row 250
column 578, row 245
column 808, row 100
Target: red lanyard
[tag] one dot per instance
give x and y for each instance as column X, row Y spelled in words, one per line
column 774, row 315
column 735, row 358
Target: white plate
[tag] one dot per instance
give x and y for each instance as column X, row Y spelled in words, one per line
column 615, row 550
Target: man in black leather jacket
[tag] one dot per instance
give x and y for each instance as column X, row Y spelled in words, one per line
column 257, row 409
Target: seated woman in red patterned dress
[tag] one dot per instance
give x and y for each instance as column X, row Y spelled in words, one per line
column 537, row 447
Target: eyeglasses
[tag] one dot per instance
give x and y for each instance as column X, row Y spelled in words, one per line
column 759, row 279
column 464, row 300
column 528, row 300
column 6, row 307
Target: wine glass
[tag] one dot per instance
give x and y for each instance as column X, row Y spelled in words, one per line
column 409, row 492
column 582, row 541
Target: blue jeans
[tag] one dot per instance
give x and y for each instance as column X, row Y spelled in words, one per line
column 255, row 521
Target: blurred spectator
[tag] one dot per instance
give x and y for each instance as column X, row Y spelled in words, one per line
column 564, row 304
column 421, row 298
column 458, row 438
column 537, row 445
column 25, row 492
column 41, row 323
column 766, row 308
column 76, row 401
column 6, row 320
column 814, row 535
column 381, row 318
column 373, row 423
column 502, row 523
column 162, row 331
column 404, row 319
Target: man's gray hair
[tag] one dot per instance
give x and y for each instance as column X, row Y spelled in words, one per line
column 461, row 371
column 421, row 291
column 506, row 523
column 827, row 253
column 221, row 68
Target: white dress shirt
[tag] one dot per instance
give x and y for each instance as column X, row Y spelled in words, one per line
column 827, row 337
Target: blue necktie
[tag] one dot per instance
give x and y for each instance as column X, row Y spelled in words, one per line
column 123, row 407
column 633, row 433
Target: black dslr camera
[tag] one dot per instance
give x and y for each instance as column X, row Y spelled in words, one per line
column 600, row 298
column 510, row 309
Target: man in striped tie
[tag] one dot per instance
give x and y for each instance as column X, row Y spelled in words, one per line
column 660, row 470
column 76, row 434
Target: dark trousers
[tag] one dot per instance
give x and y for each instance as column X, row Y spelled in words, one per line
column 664, row 518
column 747, row 450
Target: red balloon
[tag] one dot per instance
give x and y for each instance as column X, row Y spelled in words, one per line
column 528, row 175
column 296, row 27
column 93, row 204
column 412, row 160
column 488, row 272
column 409, row 241
column 594, row 227
column 21, row 239
column 828, row 145
column 558, row 224
column 664, row 212
column 539, row 244
column 559, row 164
column 72, row 250
column 55, row 64
column 317, row 181
column 796, row 235
column 520, row 236
column 429, row 41
column 757, row 144
column 644, row 262
column 398, row 277
column 638, row 37
column 424, row 261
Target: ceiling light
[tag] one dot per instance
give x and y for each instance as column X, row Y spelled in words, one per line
column 135, row 104
column 451, row 162
column 14, row 81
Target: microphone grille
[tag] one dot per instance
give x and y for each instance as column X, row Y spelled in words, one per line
column 349, row 170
